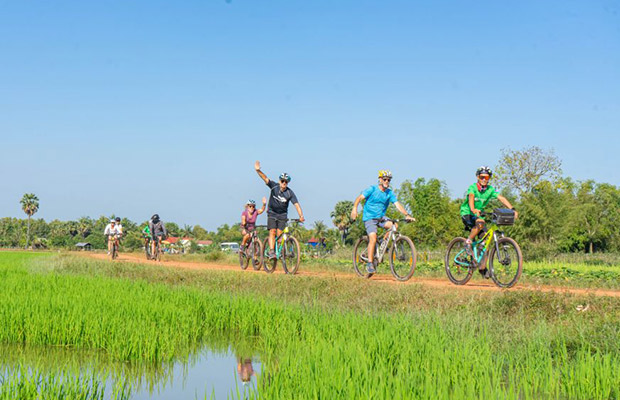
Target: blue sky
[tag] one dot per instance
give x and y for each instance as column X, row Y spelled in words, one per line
column 140, row 107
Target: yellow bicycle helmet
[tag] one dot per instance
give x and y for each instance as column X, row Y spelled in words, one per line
column 384, row 173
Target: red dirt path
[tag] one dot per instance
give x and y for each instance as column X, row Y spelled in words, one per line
column 438, row 283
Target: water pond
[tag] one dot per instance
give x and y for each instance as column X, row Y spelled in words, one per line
column 205, row 374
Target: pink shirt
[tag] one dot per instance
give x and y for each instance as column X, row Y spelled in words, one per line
column 250, row 219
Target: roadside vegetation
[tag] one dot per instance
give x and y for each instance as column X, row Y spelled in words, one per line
column 558, row 215
column 318, row 337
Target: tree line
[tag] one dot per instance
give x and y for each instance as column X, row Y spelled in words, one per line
column 556, row 215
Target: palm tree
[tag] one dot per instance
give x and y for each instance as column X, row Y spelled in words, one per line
column 30, row 205
column 341, row 217
column 319, row 230
column 187, row 231
column 85, row 226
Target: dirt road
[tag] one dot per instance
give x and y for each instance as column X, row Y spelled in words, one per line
column 438, row 283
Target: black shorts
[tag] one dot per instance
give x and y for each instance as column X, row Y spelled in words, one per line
column 276, row 223
column 469, row 221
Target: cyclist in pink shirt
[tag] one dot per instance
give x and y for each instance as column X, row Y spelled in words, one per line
column 248, row 219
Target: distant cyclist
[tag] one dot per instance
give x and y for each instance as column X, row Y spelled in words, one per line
column 248, row 220
column 146, row 234
column 118, row 225
column 279, row 198
column 158, row 231
column 378, row 198
column 478, row 197
column 113, row 233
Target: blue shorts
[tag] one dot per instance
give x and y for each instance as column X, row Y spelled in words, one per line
column 372, row 224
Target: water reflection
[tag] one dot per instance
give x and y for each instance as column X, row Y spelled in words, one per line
column 206, row 373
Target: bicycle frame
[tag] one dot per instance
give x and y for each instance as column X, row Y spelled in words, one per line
column 279, row 242
column 489, row 236
column 385, row 244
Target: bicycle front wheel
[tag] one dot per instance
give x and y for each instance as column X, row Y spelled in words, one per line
column 244, row 260
column 360, row 257
column 459, row 264
column 114, row 251
column 147, row 251
column 507, row 264
column 291, row 255
column 269, row 264
column 157, row 252
column 256, row 251
column 402, row 258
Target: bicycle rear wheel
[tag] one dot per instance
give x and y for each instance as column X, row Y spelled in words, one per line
column 507, row 264
column 360, row 257
column 459, row 264
column 269, row 264
column 402, row 258
column 256, row 252
column 291, row 255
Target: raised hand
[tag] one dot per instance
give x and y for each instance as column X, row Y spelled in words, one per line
column 257, row 165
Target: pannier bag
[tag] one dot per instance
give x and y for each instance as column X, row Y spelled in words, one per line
column 503, row 216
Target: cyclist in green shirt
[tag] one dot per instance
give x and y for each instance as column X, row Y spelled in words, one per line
column 478, row 196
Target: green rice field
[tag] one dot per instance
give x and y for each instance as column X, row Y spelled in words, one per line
column 318, row 338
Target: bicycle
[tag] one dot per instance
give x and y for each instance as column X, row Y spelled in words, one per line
column 286, row 247
column 402, row 254
column 504, row 254
column 147, row 247
column 253, row 251
column 114, row 252
column 157, row 255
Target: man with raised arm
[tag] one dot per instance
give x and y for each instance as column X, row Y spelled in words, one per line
column 279, row 198
column 378, row 198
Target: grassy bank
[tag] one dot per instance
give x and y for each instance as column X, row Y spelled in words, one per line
column 321, row 337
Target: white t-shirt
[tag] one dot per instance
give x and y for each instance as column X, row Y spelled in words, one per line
column 109, row 230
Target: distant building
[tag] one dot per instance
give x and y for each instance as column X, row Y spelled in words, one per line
column 84, row 246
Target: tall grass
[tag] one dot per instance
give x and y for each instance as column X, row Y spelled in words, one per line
column 510, row 346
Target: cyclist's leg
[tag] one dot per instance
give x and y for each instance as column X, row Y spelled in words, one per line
column 478, row 227
column 386, row 224
column 109, row 244
column 246, row 237
column 371, row 230
column 271, row 226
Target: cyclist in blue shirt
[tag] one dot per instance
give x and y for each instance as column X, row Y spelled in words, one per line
column 378, row 198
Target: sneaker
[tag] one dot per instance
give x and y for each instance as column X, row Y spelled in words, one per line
column 370, row 267
column 485, row 273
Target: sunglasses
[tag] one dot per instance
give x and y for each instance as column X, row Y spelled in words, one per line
column 484, row 177
column 283, row 181
column 386, row 179
column 251, row 205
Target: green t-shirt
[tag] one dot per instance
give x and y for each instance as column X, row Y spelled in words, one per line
column 481, row 199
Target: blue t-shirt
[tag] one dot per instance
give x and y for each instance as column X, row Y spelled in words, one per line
column 377, row 202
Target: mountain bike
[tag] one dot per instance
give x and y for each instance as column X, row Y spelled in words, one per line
column 114, row 251
column 147, row 247
column 287, row 250
column 504, row 254
column 253, row 251
column 402, row 254
column 157, row 253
